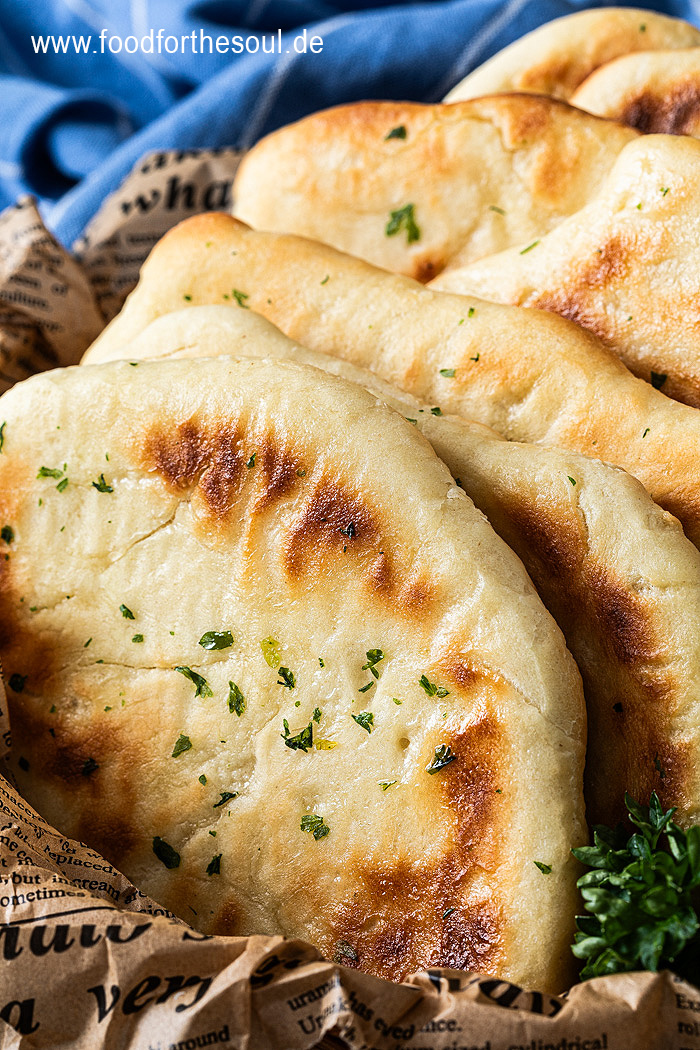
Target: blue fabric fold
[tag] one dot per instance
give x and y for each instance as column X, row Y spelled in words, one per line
column 79, row 110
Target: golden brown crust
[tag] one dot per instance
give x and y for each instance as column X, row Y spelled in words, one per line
column 558, row 56
column 478, row 176
column 656, row 92
column 529, row 374
column 623, row 267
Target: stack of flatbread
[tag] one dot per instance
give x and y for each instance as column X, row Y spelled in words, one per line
column 321, row 584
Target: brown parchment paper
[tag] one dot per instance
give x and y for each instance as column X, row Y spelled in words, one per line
column 87, row 961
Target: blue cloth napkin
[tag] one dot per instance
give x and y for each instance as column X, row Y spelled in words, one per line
column 82, row 102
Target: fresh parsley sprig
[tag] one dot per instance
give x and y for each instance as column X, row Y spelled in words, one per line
column 642, row 896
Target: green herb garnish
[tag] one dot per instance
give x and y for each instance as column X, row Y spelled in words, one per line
column 224, row 797
column 384, row 784
column 62, row 485
column 436, row 411
column 529, row 247
column 396, row 133
column 374, row 656
column 572, row 480
column 316, row 825
column 182, row 744
column 240, row 298
column 7, row 533
column 301, row 741
column 165, row 853
column 364, row 688
column 448, row 373
column 432, row 689
column 286, row 678
column 316, row 716
column 2, row 434
column 137, row 638
column 126, row 613
column 202, row 778
column 236, row 700
column 546, row 869
column 216, row 640
column 214, row 865
column 365, row 719
column 271, row 652
column 49, row 472
column 102, row 485
column 642, row 896
column 403, row 219
column 443, row 756
column 201, row 685
column 494, row 207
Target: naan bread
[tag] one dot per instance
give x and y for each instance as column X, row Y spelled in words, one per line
column 557, row 57
column 625, row 267
column 475, row 177
column 240, row 543
column 615, row 570
column 653, row 91
column 529, row 374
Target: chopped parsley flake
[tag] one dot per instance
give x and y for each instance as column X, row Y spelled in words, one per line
column 182, row 744
column 447, row 373
column 286, row 679
column 384, row 784
column 658, row 379
column 301, row 741
column 89, row 766
column 546, row 869
column 224, row 797
column 315, row 824
column 374, row 656
column 443, row 756
column 365, row 719
column 326, row 279
column 325, row 745
column 187, row 298
column 216, row 640
column 396, row 700
column 251, row 462
column 664, row 191
column 102, row 485
column 87, row 643
column 396, row 133
column 572, row 480
column 202, row 779
column 432, row 689
column 137, row 638
column 62, row 485
column 126, row 612
column 321, row 662
column 271, row 651
column 529, row 247
column 645, row 432
column 201, row 685
column 49, row 472
column 17, row 681
column 364, row 688
column 214, row 865
column 236, row 700
column 409, row 420
column 2, row 434
column 165, row 853
column 494, row 207
column 436, row 411
column 7, row 533
column 403, row 219
column 471, row 311
column 478, row 355
column 240, row 298
column 316, row 716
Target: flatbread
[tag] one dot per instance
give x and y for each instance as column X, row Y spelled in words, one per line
column 529, row 374
column 656, row 92
column 625, row 267
column 476, row 177
column 616, row 571
column 555, row 58
column 318, row 527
